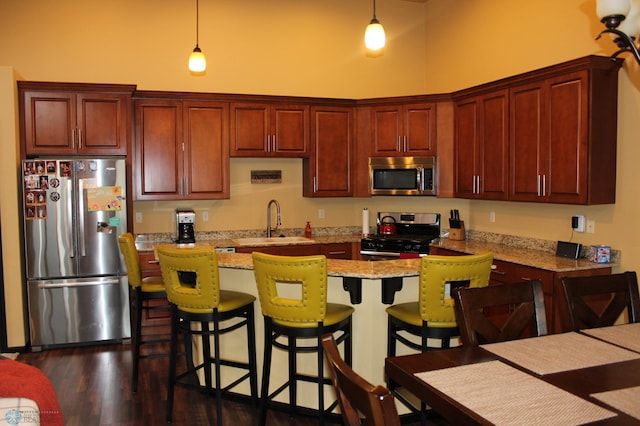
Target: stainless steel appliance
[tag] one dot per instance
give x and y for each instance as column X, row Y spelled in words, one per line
column 74, row 210
column 402, row 175
column 413, row 234
column 186, row 220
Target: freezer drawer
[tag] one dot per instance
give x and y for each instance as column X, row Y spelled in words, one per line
column 78, row 311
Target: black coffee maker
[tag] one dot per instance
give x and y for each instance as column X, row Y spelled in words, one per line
column 186, row 220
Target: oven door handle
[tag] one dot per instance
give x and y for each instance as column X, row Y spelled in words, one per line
column 380, row 253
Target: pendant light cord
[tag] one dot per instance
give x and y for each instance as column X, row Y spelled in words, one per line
column 374, row 9
column 198, row 20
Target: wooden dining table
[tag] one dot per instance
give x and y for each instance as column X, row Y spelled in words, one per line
column 587, row 377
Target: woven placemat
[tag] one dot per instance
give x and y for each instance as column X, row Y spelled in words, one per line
column 626, row 400
column 559, row 352
column 504, row 395
column 626, row 335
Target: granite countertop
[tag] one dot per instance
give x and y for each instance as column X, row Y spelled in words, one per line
column 528, row 252
column 146, row 242
column 335, row 267
column 541, row 259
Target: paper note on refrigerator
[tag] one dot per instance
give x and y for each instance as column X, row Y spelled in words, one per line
column 104, row 198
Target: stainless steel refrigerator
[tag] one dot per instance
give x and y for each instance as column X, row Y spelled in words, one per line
column 74, row 210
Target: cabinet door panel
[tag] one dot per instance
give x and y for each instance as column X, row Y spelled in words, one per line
column 50, row 120
column 290, row 128
column 329, row 171
column 206, row 156
column 466, row 144
column 387, row 124
column 290, row 250
column 420, row 129
column 567, row 179
column 494, row 152
column 158, row 150
column 528, row 138
column 102, row 123
column 249, row 129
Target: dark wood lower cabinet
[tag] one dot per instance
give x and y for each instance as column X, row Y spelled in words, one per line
column 331, row 251
column 509, row 273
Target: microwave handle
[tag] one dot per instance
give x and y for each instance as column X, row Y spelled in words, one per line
column 421, row 178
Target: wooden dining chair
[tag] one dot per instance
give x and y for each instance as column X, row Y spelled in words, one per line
column 356, row 395
column 499, row 313
column 598, row 300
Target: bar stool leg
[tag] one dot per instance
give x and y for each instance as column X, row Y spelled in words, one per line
column 137, row 336
column 266, row 371
column 320, row 377
column 253, row 361
column 293, row 371
column 216, row 341
column 173, row 354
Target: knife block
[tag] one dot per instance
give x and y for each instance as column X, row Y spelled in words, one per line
column 457, row 234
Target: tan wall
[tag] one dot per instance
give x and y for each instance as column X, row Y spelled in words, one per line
column 9, row 213
column 313, row 48
column 490, row 39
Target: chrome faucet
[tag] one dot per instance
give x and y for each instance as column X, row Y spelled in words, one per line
column 278, row 222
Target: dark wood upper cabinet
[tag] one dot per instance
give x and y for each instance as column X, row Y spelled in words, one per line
column 328, row 172
column 482, row 146
column 269, row 130
column 181, row 150
column 75, row 119
column 561, row 152
column 406, row 129
column 561, row 123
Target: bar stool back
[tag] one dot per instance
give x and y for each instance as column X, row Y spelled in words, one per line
column 433, row 316
column 141, row 290
column 307, row 317
column 193, row 288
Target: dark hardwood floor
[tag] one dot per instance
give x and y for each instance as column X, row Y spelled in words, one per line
column 93, row 385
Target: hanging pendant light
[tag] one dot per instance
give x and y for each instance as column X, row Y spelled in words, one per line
column 374, row 38
column 197, row 61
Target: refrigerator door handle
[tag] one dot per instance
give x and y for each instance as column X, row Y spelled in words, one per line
column 45, row 285
column 71, row 221
column 81, row 224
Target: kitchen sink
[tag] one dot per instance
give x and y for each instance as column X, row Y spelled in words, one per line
column 272, row 240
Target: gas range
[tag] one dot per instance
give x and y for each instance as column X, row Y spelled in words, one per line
column 414, row 232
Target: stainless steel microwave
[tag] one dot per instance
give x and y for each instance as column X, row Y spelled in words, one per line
column 402, row 175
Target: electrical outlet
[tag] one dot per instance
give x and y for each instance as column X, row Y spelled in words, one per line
column 205, row 216
column 138, row 217
column 591, row 226
column 577, row 223
column 492, row 216
column 320, row 213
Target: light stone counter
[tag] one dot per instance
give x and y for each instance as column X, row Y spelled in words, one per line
column 541, row 259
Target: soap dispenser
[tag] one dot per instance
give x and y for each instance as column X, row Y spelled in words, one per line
column 307, row 230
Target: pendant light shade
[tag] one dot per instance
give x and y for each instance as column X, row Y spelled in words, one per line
column 197, row 61
column 374, row 37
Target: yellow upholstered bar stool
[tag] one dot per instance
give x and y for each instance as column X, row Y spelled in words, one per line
column 432, row 316
column 141, row 290
column 298, row 315
column 200, row 308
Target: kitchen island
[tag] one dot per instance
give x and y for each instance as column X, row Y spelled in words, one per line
column 378, row 284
